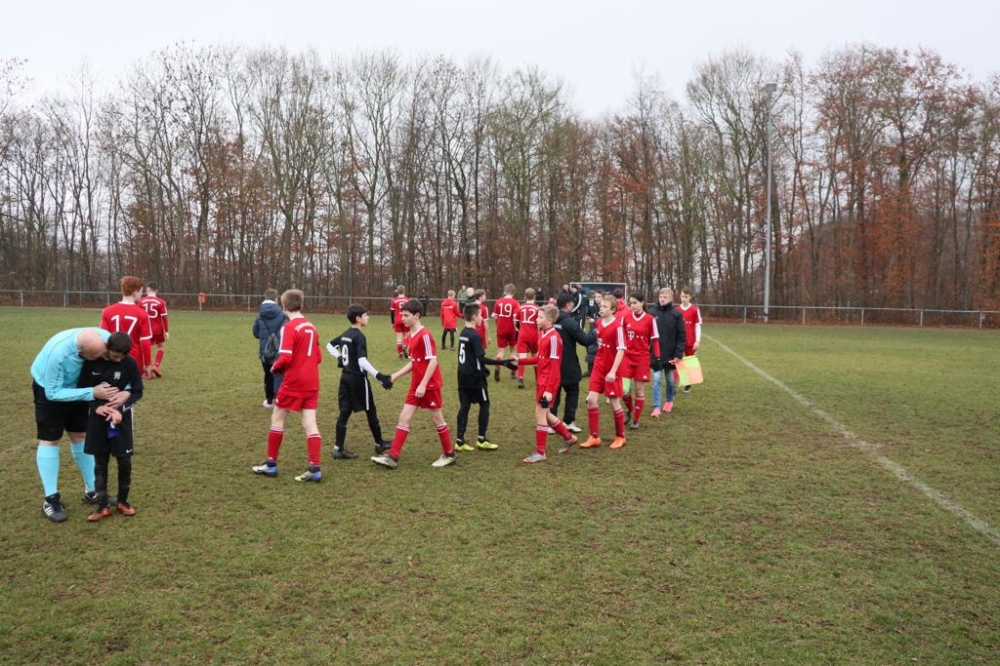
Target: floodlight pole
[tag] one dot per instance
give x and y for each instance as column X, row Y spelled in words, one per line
column 769, row 89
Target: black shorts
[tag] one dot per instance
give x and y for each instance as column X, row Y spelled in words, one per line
column 476, row 396
column 53, row 418
column 98, row 441
column 355, row 393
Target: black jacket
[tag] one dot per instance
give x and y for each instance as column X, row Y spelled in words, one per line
column 572, row 335
column 670, row 326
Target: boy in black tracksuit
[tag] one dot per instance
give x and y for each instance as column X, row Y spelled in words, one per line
column 350, row 349
column 593, row 307
column 572, row 335
column 472, row 380
column 109, row 429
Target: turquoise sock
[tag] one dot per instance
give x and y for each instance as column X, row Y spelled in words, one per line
column 48, row 468
column 85, row 462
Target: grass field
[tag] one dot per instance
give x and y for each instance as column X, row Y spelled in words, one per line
column 743, row 529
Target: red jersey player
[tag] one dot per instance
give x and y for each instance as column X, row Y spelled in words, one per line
column 527, row 331
column 548, row 364
column 605, row 379
column 450, row 312
column 483, row 329
column 504, row 311
column 622, row 310
column 395, row 309
column 424, row 393
column 641, row 333
column 692, row 326
column 298, row 360
column 130, row 317
column 156, row 310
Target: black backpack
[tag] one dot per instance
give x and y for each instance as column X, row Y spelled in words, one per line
column 271, row 346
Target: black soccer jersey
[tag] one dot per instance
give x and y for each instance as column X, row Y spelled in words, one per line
column 472, row 372
column 353, row 347
column 122, row 375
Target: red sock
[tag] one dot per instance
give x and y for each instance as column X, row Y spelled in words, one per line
column 520, row 372
column 594, row 420
column 398, row 440
column 159, row 357
column 399, row 348
column 541, row 433
column 640, row 404
column 627, row 399
column 274, row 443
column 562, row 431
column 619, row 417
column 314, row 449
column 445, row 436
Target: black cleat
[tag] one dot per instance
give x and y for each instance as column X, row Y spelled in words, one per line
column 53, row 509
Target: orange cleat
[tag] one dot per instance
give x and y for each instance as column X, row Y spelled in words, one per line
column 618, row 443
column 103, row 512
column 156, row 371
column 125, row 509
column 591, row 442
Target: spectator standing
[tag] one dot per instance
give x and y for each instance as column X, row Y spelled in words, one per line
column 270, row 320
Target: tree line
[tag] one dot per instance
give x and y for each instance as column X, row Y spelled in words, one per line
column 230, row 170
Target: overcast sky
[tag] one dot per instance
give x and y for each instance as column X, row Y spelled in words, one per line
column 594, row 47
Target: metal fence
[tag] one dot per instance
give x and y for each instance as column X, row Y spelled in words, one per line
column 785, row 314
column 858, row 316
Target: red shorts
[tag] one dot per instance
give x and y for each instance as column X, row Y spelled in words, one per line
column 158, row 338
column 506, row 339
column 635, row 368
column 400, row 328
column 296, row 403
column 431, row 399
column 610, row 389
column 539, row 390
column 527, row 346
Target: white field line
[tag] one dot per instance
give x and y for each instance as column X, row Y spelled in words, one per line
column 894, row 468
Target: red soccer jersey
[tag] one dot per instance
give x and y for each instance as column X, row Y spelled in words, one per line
column 396, row 307
column 610, row 338
column 549, row 361
column 131, row 318
column 422, row 349
column 527, row 316
column 156, row 310
column 483, row 329
column 449, row 313
column 504, row 311
column 299, row 358
column 692, row 318
column 622, row 311
column 640, row 331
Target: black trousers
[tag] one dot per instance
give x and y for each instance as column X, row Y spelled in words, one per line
column 572, row 390
column 466, row 398
column 268, row 381
column 101, row 477
column 446, row 332
column 355, row 395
